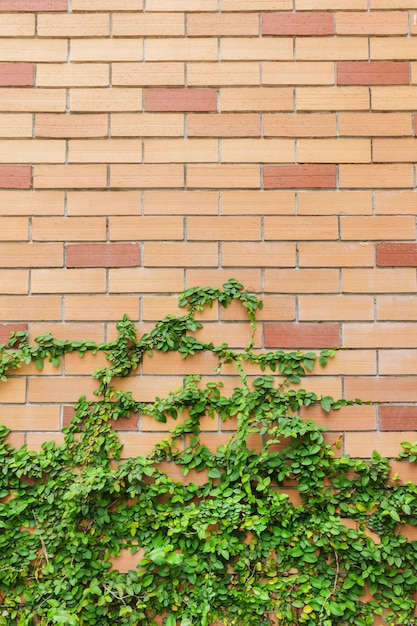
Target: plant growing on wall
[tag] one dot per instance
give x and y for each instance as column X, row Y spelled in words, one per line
column 230, row 550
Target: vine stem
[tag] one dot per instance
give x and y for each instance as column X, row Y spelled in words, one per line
column 329, row 595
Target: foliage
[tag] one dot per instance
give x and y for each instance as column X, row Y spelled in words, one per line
column 229, row 549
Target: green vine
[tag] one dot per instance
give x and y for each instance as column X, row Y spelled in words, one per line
column 229, row 549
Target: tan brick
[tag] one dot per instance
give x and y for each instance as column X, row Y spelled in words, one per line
column 103, row 203
column 14, row 229
column 28, row 203
column 380, row 335
column 99, row 100
column 20, row 99
column 250, row 48
column 100, row 308
column 34, row 441
column 85, row 366
column 33, row 50
column 35, row 308
column 397, row 308
column 258, row 5
column 257, row 202
column 301, row 281
column 147, row 125
column 135, row 444
column 107, row 5
column 384, row 23
column 386, row 389
column 31, row 417
column 257, row 99
column 336, row 254
column 361, row 445
column 297, row 228
column 66, row 126
column 371, row 176
column 181, row 5
column 300, row 125
column 334, row 151
column 331, row 49
column 17, row 25
column 223, row 176
column 32, row 151
column 393, row 48
column 258, row 254
column 69, row 229
column 145, row 228
column 153, row 176
column 181, row 203
column 69, row 176
column 374, row 124
column 385, row 280
column 334, row 202
column 332, row 98
column 224, row 73
column 298, row 24
column 350, row 363
column 217, row 277
column 414, row 70
column 335, row 308
column 16, row 391
column 14, row 282
column 393, row 4
column 398, row 99
column 297, row 73
column 224, row 125
column 143, row 280
column 180, row 255
column 378, row 227
column 181, row 151
column 395, row 202
column 68, row 281
column 104, row 151
column 169, row 362
column 257, row 151
column 156, row 307
column 15, row 125
column 394, row 150
column 235, row 334
column 224, row 228
column 106, row 50
column 67, row 389
column 174, row 49
column 275, row 308
column 331, row 5
column 72, row 75
column 397, row 363
column 75, row 332
column 73, row 25
column 211, row 24
column 31, row 255
column 148, row 24
column 350, row 418
column 148, row 74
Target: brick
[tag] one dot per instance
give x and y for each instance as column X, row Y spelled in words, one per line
column 103, row 255
column 35, row 441
column 33, row 50
column 331, row 49
column 144, row 280
column 294, row 176
column 145, row 228
column 148, row 24
column 224, row 125
column 106, row 50
column 374, row 124
column 68, row 281
column 395, row 202
column 180, row 255
column 31, row 255
column 224, row 228
column 6, row 329
column 15, row 125
column 371, row 176
column 69, row 176
column 181, row 203
column 216, row 25
column 335, row 308
column 297, row 73
column 16, row 74
column 227, row 73
column 373, row 73
column 276, row 308
column 396, row 254
column 398, row 308
column 149, row 74
column 299, row 125
column 394, row 150
column 181, row 151
column 100, row 308
column 104, row 151
column 107, row 5
column 397, row 48
column 250, row 49
column 101, row 100
column 103, row 203
column 35, row 308
column 261, row 5
column 394, row 4
column 378, row 227
column 297, row 24
column 399, row 99
column 32, row 151
column 235, row 334
column 34, row 5
column 66, row 126
column 180, row 100
column 217, row 277
column 331, row 5
column 72, row 75
column 147, row 125
column 67, row 389
column 332, row 98
column 384, row 23
column 156, row 307
column 21, row 99
column 334, row 151
column 398, row 417
column 350, row 418
column 350, row 363
column 17, row 25
column 166, row 363
column 14, row 229
column 336, row 254
column 378, row 280
column 258, row 254
column 181, row 49
column 28, row 203
column 297, row 228
column 68, row 228
column 15, row 176
column 37, row 418
column 302, row 281
column 257, row 151
column 223, row 176
column 385, row 389
column 305, row 335
column 181, row 5
column 14, row 282
column 257, row 202
column 146, row 176
column 77, row 331
column 361, row 445
column 256, row 99
column 380, row 335
column 73, row 25
column 334, row 202
column 16, row 391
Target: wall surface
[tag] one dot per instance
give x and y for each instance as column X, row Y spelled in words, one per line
column 152, row 145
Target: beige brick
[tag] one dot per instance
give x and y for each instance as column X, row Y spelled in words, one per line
column 257, row 151
column 67, row 389
column 398, row 99
column 106, row 50
column 223, row 73
column 32, row 151
column 142, row 176
column 147, row 125
column 380, row 335
column 395, row 202
column 16, row 392
column 335, row 308
column 371, row 176
column 379, row 280
column 393, row 48
column 14, row 229
column 257, row 202
column 334, row 151
column 393, row 4
column 375, row 124
column 398, row 308
column 224, row 228
column 181, row 203
column 17, row 25
column 256, row 99
column 69, row 176
column 300, row 125
column 236, row 24
column 217, row 277
column 33, row 50
column 68, row 229
column 31, row 255
column 145, row 228
column 331, row 5
column 30, row 417
column 223, row 176
column 332, row 98
column 224, row 125
column 68, row 281
column 29, row 203
column 15, row 125
column 148, row 24
column 75, row 332
column 336, row 254
column 251, row 49
column 297, row 73
column 181, row 5
column 334, row 202
column 103, row 203
column 101, row 308
column 397, row 362
column 302, row 281
column 275, row 308
column 105, row 151
column 66, row 126
column 257, row 5
column 361, row 445
column 181, row 255
column 331, row 49
column 71, row 75
column 172, row 49
column 107, row 5
column 384, row 23
column 394, row 150
column 301, row 228
column 99, row 100
column 14, row 282
column 18, row 99
column 148, row 74
column 73, row 25
column 145, row 280
column 378, row 228
column 181, row 151
column 35, row 308
column 258, row 254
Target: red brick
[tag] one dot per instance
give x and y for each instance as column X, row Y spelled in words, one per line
column 34, row 5
column 180, row 100
column 103, row 255
column 302, row 335
column 373, row 73
column 396, row 254
column 308, row 23
column 299, row 176
column 123, row 423
column 6, row 329
column 15, row 176
column 398, row 417
column 16, row 74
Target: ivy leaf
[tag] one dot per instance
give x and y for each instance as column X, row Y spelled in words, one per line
column 326, row 403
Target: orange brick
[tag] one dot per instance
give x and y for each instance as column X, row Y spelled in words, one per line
column 350, row 363
column 307, row 335
column 331, row 49
column 224, row 125
column 256, row 99
column 298, row 24
column 384, row 389
column 36, row 308
column 331, row 5
column 378, row 280
column 398, row 308
column 335, row 308
column 73, row 25
column 375, row 124
column 181, row 5
column 66, row 126
column 336, row 254
column 334, row 202
column 165, row 363
column 348, row 418
column 14, row 282
column 367, row 176
column 217, row 277
column 30, row 417
column 251, row 48
column 69, row 176
column 181, row 203
column 378, row 227
column 32, row 151
column 397, row 363
column 148, row 24
column 100, row 308
column 69, row 229
column 223, row 176
column 33, row 50
column 20, row 99
column 209, row 24
column 99, row 100
column 34, row 5
column 380, row 335
column 102, row 255
column 180, row 100
column 398, row 48
column 15, row 125
column 148, row 74
column 276, row 308
column 395, row 202
column 396, row 254
column 156, row 307
column 373, row 73
column 293, row 176
column 361, row 445
column 68, row 281
column 235, row 334
column 145, row 228
column 57, row 390
column 394, row 150
column 14, row 229
column 103, row 203
column 384, row 23
column 135, row 444
column 15, row 176
column 398, row 99
column 300, row 125
column 334, row 151
column 72, row 75
column 297, row 73
column 257, row 150
column 175, row 49
column 260, row 5
column 105, row 151
column 106, row 50
column 258, row 254
column 41, row 203
column 76, row 366
column 181, row 255
column 332, row 98
column 147, row 125
column 224, row 73
column 257, row 202
column 301, row 281
column 17, row 25
column 76, row 332
column 224, row 228
column 34, row 441
column 147, row 175
column 181, row 151
column 16, row 74
column 31, row 255
column 107, row 5
column 141, row 280
column 297, row 228
column 145, row 388
column 16, row 391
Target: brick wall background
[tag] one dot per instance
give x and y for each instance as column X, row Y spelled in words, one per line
column 152, row 145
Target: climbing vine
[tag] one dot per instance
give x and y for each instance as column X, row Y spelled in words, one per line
column 229, row 549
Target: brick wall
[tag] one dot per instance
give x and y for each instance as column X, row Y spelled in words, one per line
column 152, row 145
